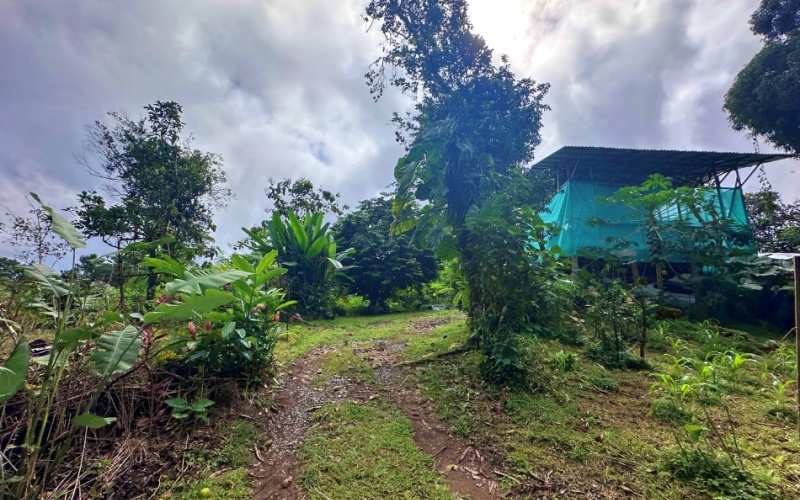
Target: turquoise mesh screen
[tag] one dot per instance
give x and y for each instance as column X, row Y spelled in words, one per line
column 576, row 204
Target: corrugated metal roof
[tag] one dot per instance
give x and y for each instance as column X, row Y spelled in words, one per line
column 625, row 166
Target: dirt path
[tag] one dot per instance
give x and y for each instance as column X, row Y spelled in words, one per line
column 467, row 471
column 474, row 473
column 296, row 403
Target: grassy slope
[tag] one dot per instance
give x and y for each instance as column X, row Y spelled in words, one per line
column 591, row 432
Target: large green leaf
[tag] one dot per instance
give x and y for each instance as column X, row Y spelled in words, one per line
column 142, row 245
column 693, row 431
column 266, row 261
column 62, row 226
column 14, row 372
column 92, row 421
column 317, row 247
column 71, row 339
column 192, row 306
column 242, row 264
column 47, row 278
column 265, row 277
column 165, row 265
column 116, row 351
column 298, row 230
column 197, row 281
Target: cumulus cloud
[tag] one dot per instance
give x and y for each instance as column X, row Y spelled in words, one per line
column 276, row 87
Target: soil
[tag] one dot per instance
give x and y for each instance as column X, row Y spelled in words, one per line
column 466, row 469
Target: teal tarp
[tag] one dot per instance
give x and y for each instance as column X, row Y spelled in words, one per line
column 577, row 202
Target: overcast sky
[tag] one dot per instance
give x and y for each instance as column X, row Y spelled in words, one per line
column 277, row 88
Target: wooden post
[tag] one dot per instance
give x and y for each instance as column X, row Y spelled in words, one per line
column 797, row 333
column 635, row 271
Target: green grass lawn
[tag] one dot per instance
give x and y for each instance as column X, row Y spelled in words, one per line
column 362, row 451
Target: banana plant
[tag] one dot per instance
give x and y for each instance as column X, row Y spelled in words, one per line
column 308, row 250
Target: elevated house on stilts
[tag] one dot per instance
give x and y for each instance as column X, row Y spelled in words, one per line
column 586, row 175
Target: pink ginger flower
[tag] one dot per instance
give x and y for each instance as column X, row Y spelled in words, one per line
column 192, row 329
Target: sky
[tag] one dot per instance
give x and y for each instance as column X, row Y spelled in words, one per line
column 276, row 87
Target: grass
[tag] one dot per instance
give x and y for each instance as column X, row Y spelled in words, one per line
column 364, row 451
column 345, row 330
column 231, row 485
column 436, row 341
column 347, row 363
column 592, row 429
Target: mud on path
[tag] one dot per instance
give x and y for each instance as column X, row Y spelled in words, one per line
column 468, row 471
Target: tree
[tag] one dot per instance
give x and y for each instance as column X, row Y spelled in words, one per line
column 384, row 262
column 763, row 98
column 475, row 126
column 775, row 224
column 300, row 197
column 775, row 19
column 157, row 185
column 33, row 237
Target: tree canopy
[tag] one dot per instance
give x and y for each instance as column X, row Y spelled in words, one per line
column 763, row 99
column 775, row 223
column 300, row 197
column 383, row 263
column 775, row 19
column 474, row 121
column 157, row 184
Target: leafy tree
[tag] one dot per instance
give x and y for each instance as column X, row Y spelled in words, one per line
column 300, row 197
column 475, row 125
column 384, row 262
column 95, row 269
column 775, row 224
column 775, row 19
column 763, row 97
column 157, row 185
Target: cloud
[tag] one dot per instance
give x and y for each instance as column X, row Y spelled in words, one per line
column 277, row 88
column 634, row 73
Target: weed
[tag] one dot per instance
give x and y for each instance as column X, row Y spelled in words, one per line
column 713, row 474
column 600, row 379
column 345, row 363
column 238, row 449
column 564, row 361
column 667, row 411
column 183, row 409
column 232, row 485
